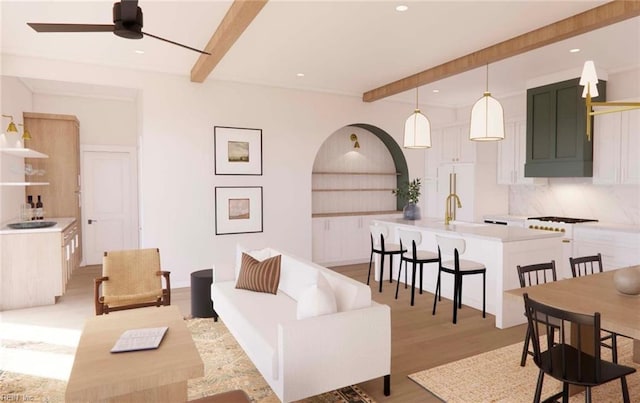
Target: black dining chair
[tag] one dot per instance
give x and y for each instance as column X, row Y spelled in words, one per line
column 530, row 275
column 585, row 266
column 571, row 363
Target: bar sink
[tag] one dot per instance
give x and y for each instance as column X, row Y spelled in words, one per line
column 32, row 224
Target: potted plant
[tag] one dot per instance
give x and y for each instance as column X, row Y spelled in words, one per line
column 411, row 194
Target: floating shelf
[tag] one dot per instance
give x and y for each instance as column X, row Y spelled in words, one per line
column 23, row 152
column 24, row 183
column 352, row 190
column 357, row 173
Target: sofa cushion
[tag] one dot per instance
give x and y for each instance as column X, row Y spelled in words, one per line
column 296, row 275
column 260, row 276
column 350, row 294
column 316, row 300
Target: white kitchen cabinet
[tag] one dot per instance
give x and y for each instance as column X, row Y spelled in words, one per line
column 455, row 145
column 616, row 142
column 512, row 155
column 618, row 248
column 341, row 240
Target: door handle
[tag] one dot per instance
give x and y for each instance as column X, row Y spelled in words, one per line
column 90, row 221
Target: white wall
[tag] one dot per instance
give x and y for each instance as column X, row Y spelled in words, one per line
column 102, row 121
column 16, row 98
column 176, row 119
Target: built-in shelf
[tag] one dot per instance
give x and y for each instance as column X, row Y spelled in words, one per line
column 23, row 152
column 354, row 213
column 357, row 173
column 352, row 190
column 24, row 183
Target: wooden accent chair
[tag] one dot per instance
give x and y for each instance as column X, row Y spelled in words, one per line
column 131, row 279
column 571, row 364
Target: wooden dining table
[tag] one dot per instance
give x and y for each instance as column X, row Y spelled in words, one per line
column 619, row 313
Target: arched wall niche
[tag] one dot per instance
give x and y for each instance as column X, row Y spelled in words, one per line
column 358, row 180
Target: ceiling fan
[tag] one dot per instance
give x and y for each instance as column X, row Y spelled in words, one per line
column 127, row 23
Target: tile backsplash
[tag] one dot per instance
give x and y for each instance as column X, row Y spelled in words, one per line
column 577, row 197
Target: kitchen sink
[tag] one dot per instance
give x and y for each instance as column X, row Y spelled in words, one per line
column 32, row 224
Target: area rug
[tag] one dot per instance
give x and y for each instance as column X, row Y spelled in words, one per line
column 496, row 376
column 227, row 367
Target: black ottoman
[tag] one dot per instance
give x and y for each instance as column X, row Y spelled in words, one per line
column 201, row 304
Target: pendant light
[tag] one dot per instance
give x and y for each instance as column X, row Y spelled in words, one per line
column 417, row 129
column 487, row 118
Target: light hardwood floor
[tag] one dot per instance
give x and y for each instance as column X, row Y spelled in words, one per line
column 419, row 339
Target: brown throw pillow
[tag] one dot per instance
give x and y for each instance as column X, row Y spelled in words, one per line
column 259, row 276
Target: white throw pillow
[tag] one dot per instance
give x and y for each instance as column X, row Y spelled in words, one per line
column 316, row 300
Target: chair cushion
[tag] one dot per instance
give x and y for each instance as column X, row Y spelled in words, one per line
column 259, row 276
column 464, row 265
column 134, row 276
column 389, row 247
column 422, row 255
column 316, row 300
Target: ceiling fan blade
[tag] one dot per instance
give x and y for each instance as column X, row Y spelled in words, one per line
column 179, row 44
column 46, row 27
column 128, row 10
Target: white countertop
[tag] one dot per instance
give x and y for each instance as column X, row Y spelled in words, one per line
column 609, row 226
column 500, row 233
column 505, row 217
column 61, row 224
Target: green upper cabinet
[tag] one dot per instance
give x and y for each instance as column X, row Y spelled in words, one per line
column 557, row 144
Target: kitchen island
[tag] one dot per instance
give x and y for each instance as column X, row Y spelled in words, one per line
column 500, row 248
column 37, row 263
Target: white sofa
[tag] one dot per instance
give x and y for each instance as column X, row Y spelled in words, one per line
column 314, row 354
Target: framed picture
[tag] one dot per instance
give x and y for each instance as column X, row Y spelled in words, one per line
column 238, row 209
column 237, row 151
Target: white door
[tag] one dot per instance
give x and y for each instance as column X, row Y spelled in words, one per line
column 110, row 201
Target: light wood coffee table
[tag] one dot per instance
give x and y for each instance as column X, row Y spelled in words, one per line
column 152, row 375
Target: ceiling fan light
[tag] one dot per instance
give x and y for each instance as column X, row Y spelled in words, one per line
column 487, row 119
column 417, row 131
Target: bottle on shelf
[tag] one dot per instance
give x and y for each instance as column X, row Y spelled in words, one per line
column 39, row 209
column 26, row 211
column 32, row 208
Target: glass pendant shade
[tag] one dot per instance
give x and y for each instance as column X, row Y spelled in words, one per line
column 417, row 131
column 487, row 119
column 589, row 79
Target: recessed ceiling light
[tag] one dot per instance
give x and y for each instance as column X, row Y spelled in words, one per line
column 300, row 74
column 402, row 7
column 574, row 50
column 436, row 91
column 140, row 52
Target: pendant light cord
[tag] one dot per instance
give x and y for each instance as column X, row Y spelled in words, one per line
column 487, row 81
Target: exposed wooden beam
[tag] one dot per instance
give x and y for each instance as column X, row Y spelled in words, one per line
column 607, row 14
column 237, row 19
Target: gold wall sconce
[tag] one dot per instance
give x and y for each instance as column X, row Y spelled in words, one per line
column 354, row 138
column 12, row 126
column 25, row 133
column 589, row 79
